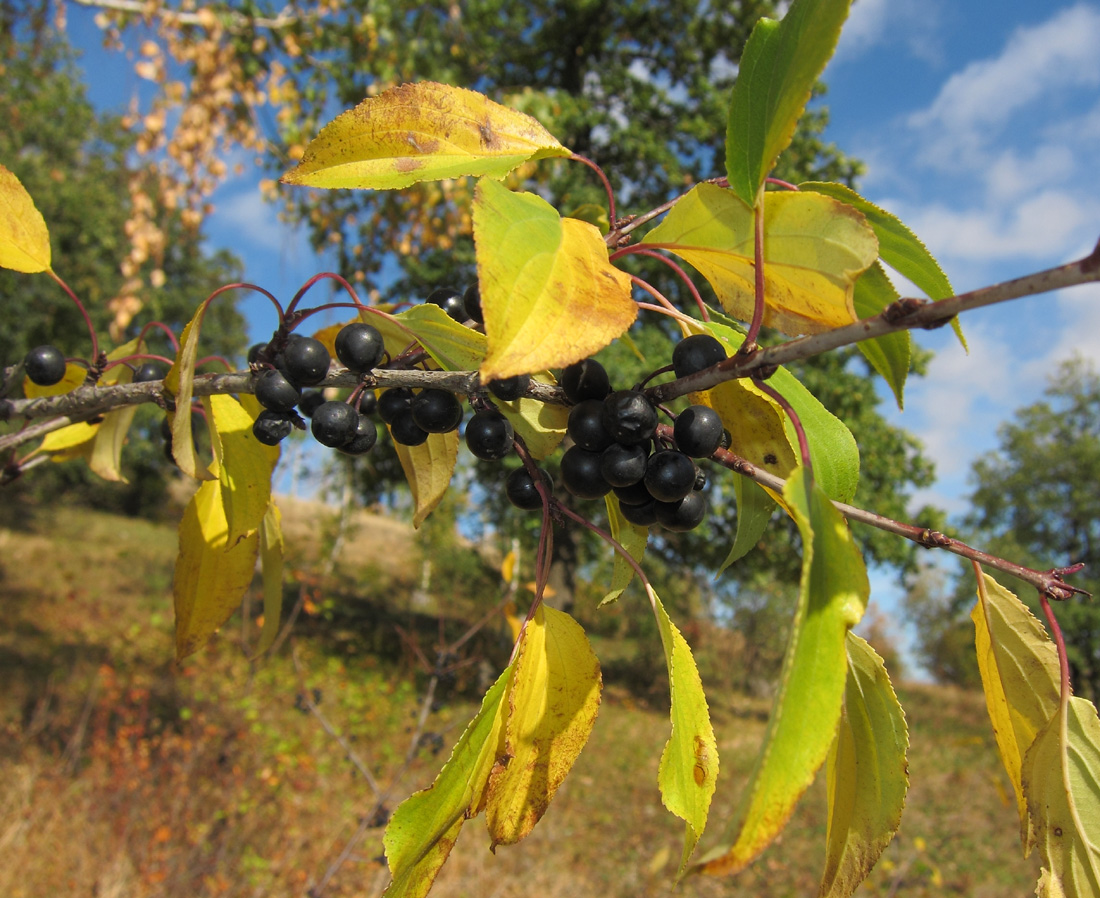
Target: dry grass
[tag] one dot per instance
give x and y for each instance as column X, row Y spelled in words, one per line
column 122, row 775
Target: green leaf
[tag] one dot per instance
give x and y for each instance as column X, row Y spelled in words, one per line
column 899, row 247
column 632, row 538
column 867, row 773
column 271, row 560
column 24, row 238
column 548, row 292
column 540, row 424
column 832, row 597
column 814, row 249
column 245, row 465
column 780, row 64
column 179, row 383
column 1062, row 783
column 1020, row 677
column 553, row 698
column 421, row 132
column 425, row 826
column 754, row 511
column 211, row 575
column 889, row 354
column 452, row 346
column 689, row 762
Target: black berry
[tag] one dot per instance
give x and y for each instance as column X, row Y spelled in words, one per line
column 510, row 388
column 669, row 475
column 698, row 431
column 368, row 402
column 436, row 411
column 450, row 301
column 275, row 392
column 309, row 403
column 683, row 515
column 149, row 371
column 471, row 301
column 642, row 515
column 254, row 352
column 366, row 435
column 521, row 490
column 359, row 347
column 489, row 435
column 334, row 423
column 406, row 431
column 306, row 361
column 271, row 428
column 45, row 365
column 635, row 494
column 629, row 416
column 586, row 379
column 694, row 353
column 394, row 402
column 586, row 426
column 580, row 472
column 622, row 465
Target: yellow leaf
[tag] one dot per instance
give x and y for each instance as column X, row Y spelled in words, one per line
column 73, row 441
column 548, row 292
column 211, row 576
column 24, row 238
column 75, row 375
column 815, row 248
column 428, row 469
column 106, row 455
column 271, row 558
column 421, row 132
column 179, row 382
column 553, row 699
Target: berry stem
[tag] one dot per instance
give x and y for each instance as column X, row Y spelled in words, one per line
column 786, row 185
column 1065, row 688
column 313, row 281
column 606, row 184
column 606, row 537
column 83, row 311
column 781, row 401
column 167, row 331
column 643, row 251
column 617, row 234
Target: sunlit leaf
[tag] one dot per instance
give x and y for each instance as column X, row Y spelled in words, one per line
column 271, row 560
column 425, row 826
column 1020, row 676
column 211, row 576
column 1061, row 774
column 779, row 66
column 541, row 425
column 899, row 247
column 867, row 773
column 548, row 292
column 179, row 383
column 428, row 469
column 889, row 354
column 453, row 346
column 245, row 465
column 632, row 538
column 24, row 239
column 754, row 511
column 421, row 132
column 106, row 455
column 689, row 762
column 832, row 598
column 814, row 250
column 552, row 703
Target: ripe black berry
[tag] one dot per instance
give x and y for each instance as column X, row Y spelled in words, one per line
column 629, row 416
column 635, row 494
column 334, row 423
column 305, row 361
column 669, row 475
column 436, row 411
column 623, row 465
column 510, row 388
column 450, row 301
column 271, row 428
column 394, row 402
column 642, row 515
column 368, row 402
column 406, row 431
column 698, row 431
column 254, row 352
column 149, row 371
column 359, row 347
column 695, row 353
column 45, row 365
column 471, row 301
column 700, row 479
column 521, row 490
column 275, row 392
column 586, row 426
column 489, row 435
column 580, row 472
column 309, row 403
column 366, row 435
column 586, row 379
column 684, row 515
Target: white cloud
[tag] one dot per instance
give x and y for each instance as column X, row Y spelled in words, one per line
column 873, row 23
column 249, row 218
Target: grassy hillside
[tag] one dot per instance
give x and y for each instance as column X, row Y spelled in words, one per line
column 122, row 775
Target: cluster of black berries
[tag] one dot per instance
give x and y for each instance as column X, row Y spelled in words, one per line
column 616, row 449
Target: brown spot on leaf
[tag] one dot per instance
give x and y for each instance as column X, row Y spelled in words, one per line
column 407, row 164
column 770, row 459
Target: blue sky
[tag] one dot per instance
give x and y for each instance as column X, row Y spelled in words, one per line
column 979, row 125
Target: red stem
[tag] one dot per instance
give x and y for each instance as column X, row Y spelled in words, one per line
column 83, row 312
column 643, row 251
column 606, row 184
column 758, row 265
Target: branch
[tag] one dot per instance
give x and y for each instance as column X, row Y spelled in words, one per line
column 905, row 314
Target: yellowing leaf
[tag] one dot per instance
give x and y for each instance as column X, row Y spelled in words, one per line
column 540, row 424
column 211, row 576
column 428, row 469
column 75, row 376
column 425, row 826
column 106, row 456
column 814, row 249
column 1020, row 676
column 867, row 772
column 421, row 132
column 77, row 437
column 689, row 763
column 271, row 559
column 1061, row 774
column 245, row 465
column 552, row 703
column 453, row 346
column 24, row 239
column 832, row 597
column 632, row 538
column 548, row 292
column 179, row 382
